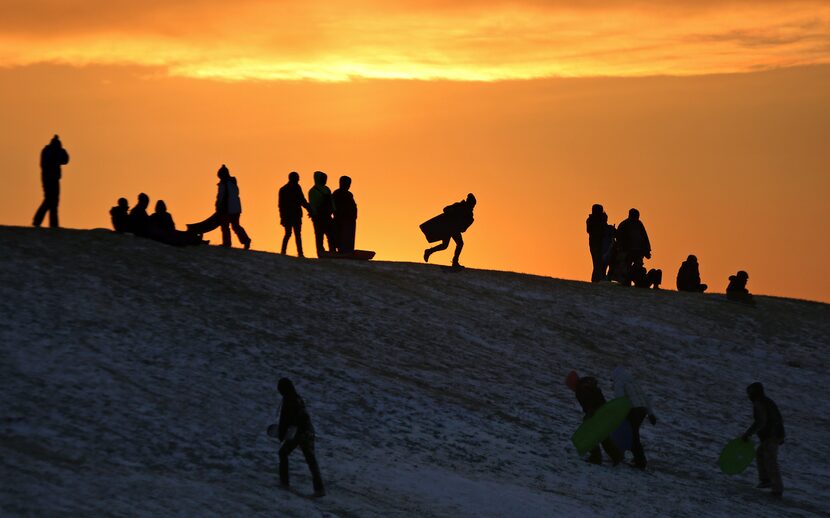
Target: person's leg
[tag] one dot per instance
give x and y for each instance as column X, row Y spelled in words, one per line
column 636, row 417
column 761, row 461
column 240, row 232
column 285, row 450
column 285, row 239
column 331, row 239
column 298, row 238
column 443, row 245
column 459, row 245
column 596, row 258
column 54, row 194
column 307, row 445
column 612, row 451
column 702, row 288
column 771, row 463
column 318, row 236
column 596, row 456
column 41, row 211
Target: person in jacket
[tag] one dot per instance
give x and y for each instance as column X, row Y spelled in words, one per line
column 625, row 385
column 769, row 425
column 345, row 216
column 460, row 217
column 633, row 242
column 736, row 289
column 688, row 276
column 597, row 227
column 229, row 208
column 590, row 397
column 139, row 220
column 291, row 202
column 295, row 429
column 161, row 224
column 120, row 215
column 321, row 208
column 52, row 157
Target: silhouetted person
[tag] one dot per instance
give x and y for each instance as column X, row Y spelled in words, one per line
column 139, row 220
column 161, row 225
column 624, row 385
column 458, row 218
column 120, row 215
column 633, row 243
column 597, row 228
column 345, row 216
column 52, row 157
column 643, row 278
column 736, row 289
column 769, row 425
column 688, row 276
column 321, row 208
column 295, row 429
column 229, row 208
column 590, row 397
column 291, row 203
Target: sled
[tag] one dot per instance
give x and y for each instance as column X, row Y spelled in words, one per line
column 736, row 456
column 357, row 255
column 601, row 425
column 623, row 436
column 439, row 228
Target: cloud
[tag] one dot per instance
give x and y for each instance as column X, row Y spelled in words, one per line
column 479, row 40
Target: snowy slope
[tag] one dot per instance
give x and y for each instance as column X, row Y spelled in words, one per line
column 138, row 379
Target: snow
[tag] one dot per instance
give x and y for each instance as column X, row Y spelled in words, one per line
column 139, row 379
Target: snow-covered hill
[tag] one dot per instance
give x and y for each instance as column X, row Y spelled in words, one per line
column 138, row 379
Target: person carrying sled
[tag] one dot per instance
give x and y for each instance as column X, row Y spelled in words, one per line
column 769, row 426
column 597, row 228
column 52, row 157
column 295, row 429
column 455, row 220
column 625, row 385
column 120, row 215
column 590, row 397
column 688, row 276
column 291, row 202
column 320, row 210
column 736, row 290
column 345, row 216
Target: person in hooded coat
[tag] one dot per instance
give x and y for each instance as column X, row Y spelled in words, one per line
column 633, row 243
column 229, row 208
column 321, row 207
column 590, row 397
column 460, row 217
column 120, row 215
column 52, row 157
column 291, row 202
column 295, row 429
column 597, row 228
column 736, row 289
column 769, row 425
column 688, row 276
column 345, row 216
column 626, row 386
column 139, row 220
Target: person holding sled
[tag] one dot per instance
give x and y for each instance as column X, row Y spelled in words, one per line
column 295, row 429
column 345, row 216
column 52, row 157
column 769, row 426
column 291, row 202
column 454, row 221
column 688, row 276
column 625, row 385
column 321, row 208
column 590, row 397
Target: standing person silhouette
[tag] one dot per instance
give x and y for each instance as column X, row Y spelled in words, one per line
column 291, row 202
column 633, row 241
column 321, row 208
column 229, row 209
column 345, row 216
column 596, row 226
column 455, row 220
column 52, row 157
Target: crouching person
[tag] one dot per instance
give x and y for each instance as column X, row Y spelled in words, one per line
column 295, row 430
column 625, row 385
column 769, row 426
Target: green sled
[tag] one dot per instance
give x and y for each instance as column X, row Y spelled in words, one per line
column 600, row 425
column 736, row 456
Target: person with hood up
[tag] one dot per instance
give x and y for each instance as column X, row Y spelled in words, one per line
column 633, row 243
column 624, row 385
column 590, row 397
column 139, row 220
column 345, row 216
column 291, row 202
column 295, row 429
column 688, row 276
column 321, row 208
column 597, row 228
column 52, row 157
column 120, row 215
column 769, row 425
column 736, row 290
column 229, row 208
column 460, row 217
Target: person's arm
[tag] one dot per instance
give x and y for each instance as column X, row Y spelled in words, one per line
column 646, row 242
column 64, row 157
column 285, row 418
column 759, row 415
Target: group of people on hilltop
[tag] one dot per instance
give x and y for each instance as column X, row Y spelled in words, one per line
column 618, row 254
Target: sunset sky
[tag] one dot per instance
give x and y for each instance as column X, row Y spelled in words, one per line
column 711, row 117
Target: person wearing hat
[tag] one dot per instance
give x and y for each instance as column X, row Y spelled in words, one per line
column 769, row 425
column 295, row 429
column 590, row 398
column 291, row 202
column 688, row 276
column 736, row 290
column 459, row 217
column 229, row 208
column 52, row 157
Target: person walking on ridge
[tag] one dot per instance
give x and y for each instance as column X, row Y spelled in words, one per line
column 229, row 208
column 52, row 157
column 291, row 202
column 454, row 221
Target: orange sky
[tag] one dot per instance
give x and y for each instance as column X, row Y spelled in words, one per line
column 732, row 165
